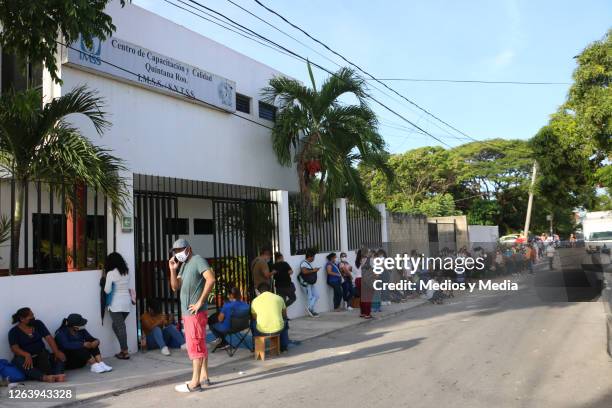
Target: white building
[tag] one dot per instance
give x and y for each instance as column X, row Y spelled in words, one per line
column 193, row 162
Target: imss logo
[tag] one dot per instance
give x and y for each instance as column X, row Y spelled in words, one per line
column 93, row 53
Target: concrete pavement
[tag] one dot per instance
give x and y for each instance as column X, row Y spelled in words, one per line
column 511, row 349
column 149, row 368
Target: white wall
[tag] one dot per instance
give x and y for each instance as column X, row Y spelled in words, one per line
column 54, row 296
column 325, row 303
column 163, row 135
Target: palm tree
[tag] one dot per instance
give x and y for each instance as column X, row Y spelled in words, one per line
column 328, row 138
column 37, row 143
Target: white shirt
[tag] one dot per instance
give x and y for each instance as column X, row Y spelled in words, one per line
column 122, row 301
column 357, row 271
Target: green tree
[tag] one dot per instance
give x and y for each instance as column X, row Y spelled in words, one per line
column 324, row 137
column 423, row 176
column 37, row 143
column 590, row 97
column 31, row 30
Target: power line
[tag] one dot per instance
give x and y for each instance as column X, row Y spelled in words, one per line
column 316, row 65
column 328, row 59
column 469, row 81
column 360, row 69
column 372, row 77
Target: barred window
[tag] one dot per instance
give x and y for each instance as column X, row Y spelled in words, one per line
column 267, row 111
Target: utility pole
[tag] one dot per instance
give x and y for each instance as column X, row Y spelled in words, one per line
column 530, row 202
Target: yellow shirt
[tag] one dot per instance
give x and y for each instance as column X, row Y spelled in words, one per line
column 269, row 310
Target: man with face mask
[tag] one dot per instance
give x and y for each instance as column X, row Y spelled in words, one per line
column 193, row 276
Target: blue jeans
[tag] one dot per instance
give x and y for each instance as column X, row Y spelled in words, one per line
column 284, row 334
column 347, row 291
column 313, row 296
column 168, row 337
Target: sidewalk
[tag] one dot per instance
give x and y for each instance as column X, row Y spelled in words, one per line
column 151, row 367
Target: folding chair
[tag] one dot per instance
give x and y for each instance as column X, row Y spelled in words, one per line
column 240, row 327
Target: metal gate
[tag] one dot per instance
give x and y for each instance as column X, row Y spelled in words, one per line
column 153, row 237
column 242, row 229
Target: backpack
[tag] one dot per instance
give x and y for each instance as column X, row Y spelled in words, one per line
column 309, row 279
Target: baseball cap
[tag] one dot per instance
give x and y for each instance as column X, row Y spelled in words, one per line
column 180, row 243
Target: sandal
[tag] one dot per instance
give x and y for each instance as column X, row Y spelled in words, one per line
column 122, row 356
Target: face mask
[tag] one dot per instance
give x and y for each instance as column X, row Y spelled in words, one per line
column 343, row 259
column 181, row 256
column 31, row 322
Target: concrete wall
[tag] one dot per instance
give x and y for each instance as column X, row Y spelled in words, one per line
column 54, row 296
column 406, row 232
column 159, row 134
column 461, row 228
column 485, row 236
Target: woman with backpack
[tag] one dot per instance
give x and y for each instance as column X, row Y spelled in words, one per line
column 307, row 280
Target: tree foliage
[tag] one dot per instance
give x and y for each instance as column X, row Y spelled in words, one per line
column 313, row 126
column 31, row 30
column 37, row 143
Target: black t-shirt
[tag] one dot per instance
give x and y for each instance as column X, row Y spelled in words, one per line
column 32, row 344
column 281, row 278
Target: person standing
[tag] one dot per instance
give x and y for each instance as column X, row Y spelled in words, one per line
column 260, row 268
column 117, row 288
column 282, row 279
column 550, row 255
column 307, row 279
column 366, row 283
column 334, row 279
column 192, row 275
column 347, row 280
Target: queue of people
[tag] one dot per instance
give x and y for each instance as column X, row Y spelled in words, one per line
column 73, row 346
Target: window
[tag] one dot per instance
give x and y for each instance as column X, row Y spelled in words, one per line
column 243, row 103
column 267, row 111
column 177, row 226
column 17, row 73
column 202, row 226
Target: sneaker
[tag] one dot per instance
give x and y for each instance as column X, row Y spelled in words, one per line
column 107, row 368
column 184, row 346
column 98, row 368
column 314, row 314
column 349, row 308
column 165, row 351
column 309, row 312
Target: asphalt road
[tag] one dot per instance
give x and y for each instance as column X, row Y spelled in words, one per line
column 513, row 349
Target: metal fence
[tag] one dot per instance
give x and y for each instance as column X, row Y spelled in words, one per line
column 313, row 226
column 364, row 228
column 52, row 237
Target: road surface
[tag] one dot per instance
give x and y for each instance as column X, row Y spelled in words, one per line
column 484, row 349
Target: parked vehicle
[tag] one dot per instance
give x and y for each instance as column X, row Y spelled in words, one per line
column 508, row 239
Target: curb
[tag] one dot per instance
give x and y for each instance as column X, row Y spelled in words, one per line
column 178, row 377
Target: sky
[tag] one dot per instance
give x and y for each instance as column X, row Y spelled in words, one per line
column 490, row 40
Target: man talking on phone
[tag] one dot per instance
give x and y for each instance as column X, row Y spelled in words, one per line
column 194, row 277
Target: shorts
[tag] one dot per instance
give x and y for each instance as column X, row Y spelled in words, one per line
column 195, row 334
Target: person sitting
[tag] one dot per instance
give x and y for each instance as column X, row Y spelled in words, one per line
column 79, row 346
column 269, row 315
column 220, row 323
column 159, row 329
column 26, row 341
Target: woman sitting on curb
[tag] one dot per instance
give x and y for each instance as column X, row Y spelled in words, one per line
column 79, row 346
column 26, row 341
column 159, row 331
